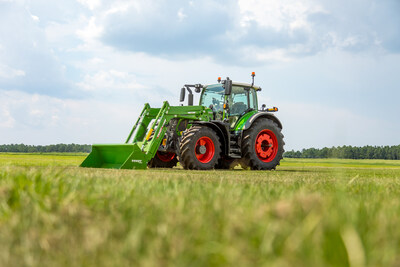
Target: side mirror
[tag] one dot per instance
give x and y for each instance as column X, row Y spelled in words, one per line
column 182, row 98
column 190, row 100
column 228, row 86
column 197, row 88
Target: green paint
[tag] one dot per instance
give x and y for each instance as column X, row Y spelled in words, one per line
column 123, row 156
column 150, row 128
column 139, row 152
column 242, row 120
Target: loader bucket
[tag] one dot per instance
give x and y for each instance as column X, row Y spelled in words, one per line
column 119, row 156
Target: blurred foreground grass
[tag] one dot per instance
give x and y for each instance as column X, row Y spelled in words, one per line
column 307, row 213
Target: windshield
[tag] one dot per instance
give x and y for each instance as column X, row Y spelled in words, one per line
column 213, row 95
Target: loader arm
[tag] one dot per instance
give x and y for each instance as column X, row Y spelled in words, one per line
column 144, row 139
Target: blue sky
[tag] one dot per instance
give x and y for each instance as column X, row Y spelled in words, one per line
column 80, row 71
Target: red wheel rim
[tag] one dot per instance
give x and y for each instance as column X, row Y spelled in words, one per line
column 266, row 145
column 204, row 149
column 165, row 156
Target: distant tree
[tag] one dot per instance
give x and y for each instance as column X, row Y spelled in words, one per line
column 348, row 152
column 22, row 148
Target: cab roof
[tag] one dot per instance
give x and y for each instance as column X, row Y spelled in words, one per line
column 257, row 88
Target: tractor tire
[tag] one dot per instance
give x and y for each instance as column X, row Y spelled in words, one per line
column 163, row 160
column 262, row 145
column 200, row 148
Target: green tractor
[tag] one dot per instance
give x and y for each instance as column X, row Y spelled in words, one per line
column 224, row 130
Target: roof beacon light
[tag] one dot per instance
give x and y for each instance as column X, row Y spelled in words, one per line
column 253, row 74
column 219, row 79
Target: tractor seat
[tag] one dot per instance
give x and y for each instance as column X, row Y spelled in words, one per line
column 238, row 108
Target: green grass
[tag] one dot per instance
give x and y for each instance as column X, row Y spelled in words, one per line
column 307, row 213
column 36, row 159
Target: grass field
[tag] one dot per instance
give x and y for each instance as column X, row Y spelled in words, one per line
column 307, row 213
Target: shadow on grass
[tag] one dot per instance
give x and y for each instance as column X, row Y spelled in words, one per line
column 244, row 171
column 303, row 171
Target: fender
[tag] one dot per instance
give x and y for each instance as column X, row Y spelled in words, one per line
column 221, row 131
column 258, row 115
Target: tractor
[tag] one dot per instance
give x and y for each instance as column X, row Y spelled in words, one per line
column 226, row 129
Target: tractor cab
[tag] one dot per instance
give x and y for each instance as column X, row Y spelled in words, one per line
column 241, row 99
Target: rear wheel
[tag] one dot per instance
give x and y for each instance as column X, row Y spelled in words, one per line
column 262, row 145
column 200, row 148
column 163, row 160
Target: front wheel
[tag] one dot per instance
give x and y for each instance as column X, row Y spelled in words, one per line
column 200, row 148
column 163, row 160
column 262, row 145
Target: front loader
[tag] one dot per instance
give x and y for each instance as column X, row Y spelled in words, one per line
column 224, row 130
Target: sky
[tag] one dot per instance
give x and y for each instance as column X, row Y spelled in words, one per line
column 80, row 71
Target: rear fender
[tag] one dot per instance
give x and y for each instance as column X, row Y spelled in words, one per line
column 259, row 115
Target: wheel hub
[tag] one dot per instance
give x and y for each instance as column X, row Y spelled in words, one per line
column 202, row 149
column 266, row 145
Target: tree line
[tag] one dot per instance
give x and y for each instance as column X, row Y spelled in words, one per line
column 341, row 152
column 22, row 148
column 348, row 152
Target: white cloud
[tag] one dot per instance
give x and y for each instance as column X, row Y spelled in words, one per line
column 268, row 55
column 315, row 125
column 96, row 61
column 63, row 36
column 181, row 15
column 38, row 119
column 111, row 81
column 35, row 18
column 119, row 6
column 91, row 32
column 333, row 38
column 8, row 72
column 278, row 14
column 6, row 120
column 91, row 4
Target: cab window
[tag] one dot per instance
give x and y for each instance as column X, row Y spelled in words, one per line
column 241, row 100
column 253, row 99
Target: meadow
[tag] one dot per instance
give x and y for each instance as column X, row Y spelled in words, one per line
column 309, row 212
